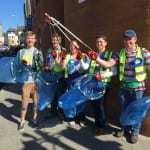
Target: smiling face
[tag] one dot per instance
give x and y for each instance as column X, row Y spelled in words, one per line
column 101, row 44
column 30, row 40
column 74, row 47
column 129, row 43
column 56, row 42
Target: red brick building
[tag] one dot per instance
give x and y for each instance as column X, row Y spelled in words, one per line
column 87, row 18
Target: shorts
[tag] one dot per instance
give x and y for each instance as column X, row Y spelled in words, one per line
column 29, row 90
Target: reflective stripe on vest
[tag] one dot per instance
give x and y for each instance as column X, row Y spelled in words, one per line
column 107, row 54
column 140, row 73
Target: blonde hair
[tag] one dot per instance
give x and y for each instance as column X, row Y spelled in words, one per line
column 57, row 36
column 30, row 33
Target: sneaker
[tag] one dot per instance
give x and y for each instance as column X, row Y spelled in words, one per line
column 21, row 126
column 134, row 138
column 35, row 123
column 72, row 124
column 122, row 132
column 119, row 133
column 82, row 123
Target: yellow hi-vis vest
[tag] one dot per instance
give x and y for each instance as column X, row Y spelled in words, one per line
column 140, row 73
column 107, row 54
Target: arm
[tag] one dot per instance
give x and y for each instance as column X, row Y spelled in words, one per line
column 113, row 72
column 61, row 60
column 107, row 64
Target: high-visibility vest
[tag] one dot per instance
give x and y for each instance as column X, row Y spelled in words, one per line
column 140, row 73
column 107, row 55
column 57, row 68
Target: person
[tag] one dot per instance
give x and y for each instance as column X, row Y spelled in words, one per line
column 29, row 62
column 104, row 75
column 74, row 65
column 99, row 105
column 53, row 65
column 133, row 62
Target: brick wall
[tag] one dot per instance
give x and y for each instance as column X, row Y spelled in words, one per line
column 111, row 18
column 91, row 17
column 54, row 8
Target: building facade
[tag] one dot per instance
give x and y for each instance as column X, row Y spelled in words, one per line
column 87, row 18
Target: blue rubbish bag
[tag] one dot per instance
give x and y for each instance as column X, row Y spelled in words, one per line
column 23, row 74
column 71, row 101
column 8, row 70
column 90, row 87
column 47, row 86
column 135, row 112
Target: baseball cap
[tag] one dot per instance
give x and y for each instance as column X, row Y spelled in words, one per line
column 129, row 33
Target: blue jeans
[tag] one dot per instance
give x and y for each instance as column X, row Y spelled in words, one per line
column 126, row 97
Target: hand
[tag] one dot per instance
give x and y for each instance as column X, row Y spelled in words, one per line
column 79, row 55
column 24, row 62
column 47, row 17
column 89, row 53
column 92, row 54
column 62, row 55
column 54, row 53
column 98, row 76
column 46, row 69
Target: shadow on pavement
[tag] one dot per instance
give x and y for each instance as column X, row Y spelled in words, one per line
column 12, row 112
column 14, row 88
column 82, row 138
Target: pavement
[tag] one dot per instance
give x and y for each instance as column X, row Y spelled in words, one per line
column 53, row 134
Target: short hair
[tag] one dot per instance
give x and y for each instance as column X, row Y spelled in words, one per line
column 57, row 36
column 30, row 33
column 101, row 36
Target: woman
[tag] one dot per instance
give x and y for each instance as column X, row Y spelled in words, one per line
column 75, row 64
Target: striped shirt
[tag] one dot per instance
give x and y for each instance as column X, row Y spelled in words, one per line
column 129, row 72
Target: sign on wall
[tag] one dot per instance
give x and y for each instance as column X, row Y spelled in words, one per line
column 81, row 1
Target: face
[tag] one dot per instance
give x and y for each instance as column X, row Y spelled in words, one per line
column 56, row 42
column 73, row 47
column 129, row 42
column 101, row 44
column 30, row 39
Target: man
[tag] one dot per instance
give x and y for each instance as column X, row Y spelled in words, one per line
column 54, row 65
column 133, row 62
column 29, row 62
column 100, row 104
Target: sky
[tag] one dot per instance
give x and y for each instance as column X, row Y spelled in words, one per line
column 11, row 14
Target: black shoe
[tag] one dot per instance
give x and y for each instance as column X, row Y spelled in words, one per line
column 21, row 126
column 35, row 123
